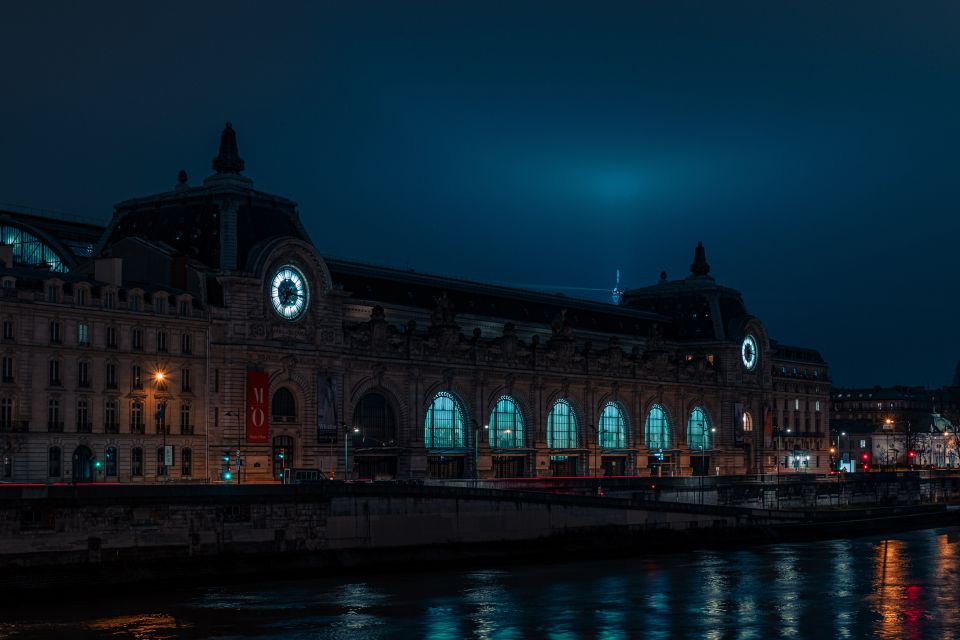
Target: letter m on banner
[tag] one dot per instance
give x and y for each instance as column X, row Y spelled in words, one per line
column 258, row 426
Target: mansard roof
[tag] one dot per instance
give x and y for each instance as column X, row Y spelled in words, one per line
column 407, row 288
column 700, row 309
column 216, row 223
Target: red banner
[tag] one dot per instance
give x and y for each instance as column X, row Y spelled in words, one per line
column 767, row 427
column 258, row 426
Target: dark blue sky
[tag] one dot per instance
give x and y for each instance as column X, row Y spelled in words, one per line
column 812, row 146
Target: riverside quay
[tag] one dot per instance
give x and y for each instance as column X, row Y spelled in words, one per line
column 200, row 336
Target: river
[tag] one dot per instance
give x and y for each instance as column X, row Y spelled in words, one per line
column 901, row 586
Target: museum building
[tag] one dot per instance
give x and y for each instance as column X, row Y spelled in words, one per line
column 201, row 328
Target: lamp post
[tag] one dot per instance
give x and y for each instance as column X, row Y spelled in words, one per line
column 703, row 454
column 476, row 450
column 239, row 438
column 159, row 376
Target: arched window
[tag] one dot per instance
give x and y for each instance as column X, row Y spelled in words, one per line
column 613, row 428
column 443, row 428
column 747, row 422
column 506, row 425
column 283, row 407
column 656, row 430
column 375, row 421
column 562, row 426
column 698, row 430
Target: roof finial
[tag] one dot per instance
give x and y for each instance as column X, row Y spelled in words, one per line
column 228, row 160
column 700, row 266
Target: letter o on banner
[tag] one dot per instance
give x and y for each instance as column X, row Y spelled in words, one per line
column 258, row 425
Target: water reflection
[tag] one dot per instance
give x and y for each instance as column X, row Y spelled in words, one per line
column 902, row 586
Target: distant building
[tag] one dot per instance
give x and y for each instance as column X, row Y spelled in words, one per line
column 202, row 323
column 895, row 426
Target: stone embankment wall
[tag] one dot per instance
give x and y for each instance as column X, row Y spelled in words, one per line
column 116, row 534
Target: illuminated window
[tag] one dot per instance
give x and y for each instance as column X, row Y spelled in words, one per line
column 655, row 429
column 747, row 421
column 698, row 429
column 443, row 427
column 613, row 427
column 506, row 425
column 562, row 426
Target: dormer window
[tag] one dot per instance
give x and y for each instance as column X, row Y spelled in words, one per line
column 183, row 307
column 136, row 302
column 53, row 293
column 160, row 303
column 109, row 299
column 80, row 295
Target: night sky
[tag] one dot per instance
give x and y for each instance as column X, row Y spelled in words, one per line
column 812, row 147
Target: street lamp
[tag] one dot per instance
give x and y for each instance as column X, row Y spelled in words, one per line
column 159, row 376
column 476, row 450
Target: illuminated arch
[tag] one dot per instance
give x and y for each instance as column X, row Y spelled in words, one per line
column 613, row 427
column 698, row 429
column 656, row 429
column 30, row 250
column 443, row 426
column 562, row 426
column 506, row 424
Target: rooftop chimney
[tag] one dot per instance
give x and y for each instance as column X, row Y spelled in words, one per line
column 109, row 270
column 6, row 255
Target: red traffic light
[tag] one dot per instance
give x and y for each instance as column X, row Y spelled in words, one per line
column 913, row 454
column 865, row 457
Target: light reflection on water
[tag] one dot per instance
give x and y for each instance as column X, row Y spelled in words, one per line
column 903, row 586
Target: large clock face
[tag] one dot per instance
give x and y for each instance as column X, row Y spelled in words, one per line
column 748, row 352
column 288, row 292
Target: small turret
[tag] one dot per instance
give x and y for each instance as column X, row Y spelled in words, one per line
column 699, row 267
column 228, row 160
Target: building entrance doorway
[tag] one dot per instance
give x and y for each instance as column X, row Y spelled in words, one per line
column 282, row 456
column 376, row 467
column 82, row 464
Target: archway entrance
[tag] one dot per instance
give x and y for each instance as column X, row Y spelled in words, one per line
column 82, row 464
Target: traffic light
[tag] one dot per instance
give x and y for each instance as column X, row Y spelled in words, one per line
column 912, row 454
column 226, row 474
column 865, row 457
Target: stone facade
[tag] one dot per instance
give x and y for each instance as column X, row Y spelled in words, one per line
column 379, row 373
